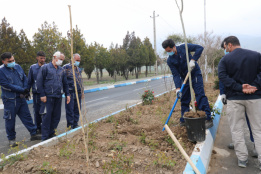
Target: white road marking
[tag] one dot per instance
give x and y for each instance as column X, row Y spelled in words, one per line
column 141, row 88
column 97, row 99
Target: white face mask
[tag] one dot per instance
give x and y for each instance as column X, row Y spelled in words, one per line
column 59, row 62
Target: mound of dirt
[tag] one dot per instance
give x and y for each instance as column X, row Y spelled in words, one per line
column 197, row 114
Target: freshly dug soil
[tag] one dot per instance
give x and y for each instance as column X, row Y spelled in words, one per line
column 197, row 114
column 129, row 142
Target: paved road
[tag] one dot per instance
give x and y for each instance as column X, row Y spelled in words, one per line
column 98, row 105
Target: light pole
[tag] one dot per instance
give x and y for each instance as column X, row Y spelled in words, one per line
column 155, row 50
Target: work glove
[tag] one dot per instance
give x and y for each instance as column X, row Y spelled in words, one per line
column 178, row 93
column 192, row 64
column 224, row 99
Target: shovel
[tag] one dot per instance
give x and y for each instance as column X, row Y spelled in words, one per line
column 176, row 101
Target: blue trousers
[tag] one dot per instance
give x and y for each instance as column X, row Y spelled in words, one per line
column 13, row 107
column 39, row 107
column 72, row 111
column 52, row 117
column 202, row 100
column 249, row 127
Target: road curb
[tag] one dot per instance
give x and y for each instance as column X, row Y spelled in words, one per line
column 108, row 87
column 201, row 154
column 68, row 134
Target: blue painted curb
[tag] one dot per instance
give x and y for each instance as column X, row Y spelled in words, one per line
column 201, row 154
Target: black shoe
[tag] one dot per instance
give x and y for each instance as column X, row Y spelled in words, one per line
column 182, row 124
column 231, row 146
column 76, row 127
column 36, row 137
column 208, row 123
column 51, row 136
column 13, row 143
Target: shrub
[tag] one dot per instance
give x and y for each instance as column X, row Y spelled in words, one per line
column 148, row 97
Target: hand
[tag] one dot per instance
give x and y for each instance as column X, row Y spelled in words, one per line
column 178, row 93
column 248, row 89
column 44, row 99
column 224, row 99
column 192, row 64
column 82, row 95
column 68, row 99
column 27, row 96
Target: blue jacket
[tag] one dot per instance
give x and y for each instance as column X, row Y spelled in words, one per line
column 52, row 82
column 178, row 63
column 32, row 76
column 12, row 81
column 78, row 75
column 239, row 67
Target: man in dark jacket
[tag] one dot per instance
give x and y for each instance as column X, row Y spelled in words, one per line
column 72, row 111
column 240, row 72
column 13, row 83
column 51, row 83
column 178, row 65
column 224, row 101
column 39, row 106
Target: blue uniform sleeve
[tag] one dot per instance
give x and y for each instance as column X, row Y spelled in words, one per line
column 175, row 73
column 40, row 81
column 25, row 81
column 65, row 84
column 221, row 88
column 9, row 86
column 257, row 81
column 225, row 79
column 197, row 49
column 30, row 78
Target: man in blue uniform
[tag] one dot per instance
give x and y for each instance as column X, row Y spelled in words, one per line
column 13, row 83
column 51, row 83
column 72, row 111
column 39, row 106
column 178, row 65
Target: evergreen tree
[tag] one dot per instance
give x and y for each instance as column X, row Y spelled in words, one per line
column 47, row 39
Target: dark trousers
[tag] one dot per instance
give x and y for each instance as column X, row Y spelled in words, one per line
column 202, row 100
column 72, row 111
column 52, row 117
column 13, row 107
column 39, row 110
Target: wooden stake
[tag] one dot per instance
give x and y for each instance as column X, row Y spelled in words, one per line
column 76, row 90
column 181, row 149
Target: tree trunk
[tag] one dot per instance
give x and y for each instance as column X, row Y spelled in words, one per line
column 101, row 73
column 115, row 76
column 97, row 75
column 137, row 72
column 146, row 72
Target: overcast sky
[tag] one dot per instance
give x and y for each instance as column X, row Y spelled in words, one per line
column 107, row 21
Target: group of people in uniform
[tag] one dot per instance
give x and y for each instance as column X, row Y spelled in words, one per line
column 49, row 82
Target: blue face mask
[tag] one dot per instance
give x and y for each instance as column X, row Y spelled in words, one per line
column 225, row 51
column 170, row 53
column 76, row 63
column 11, row 65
